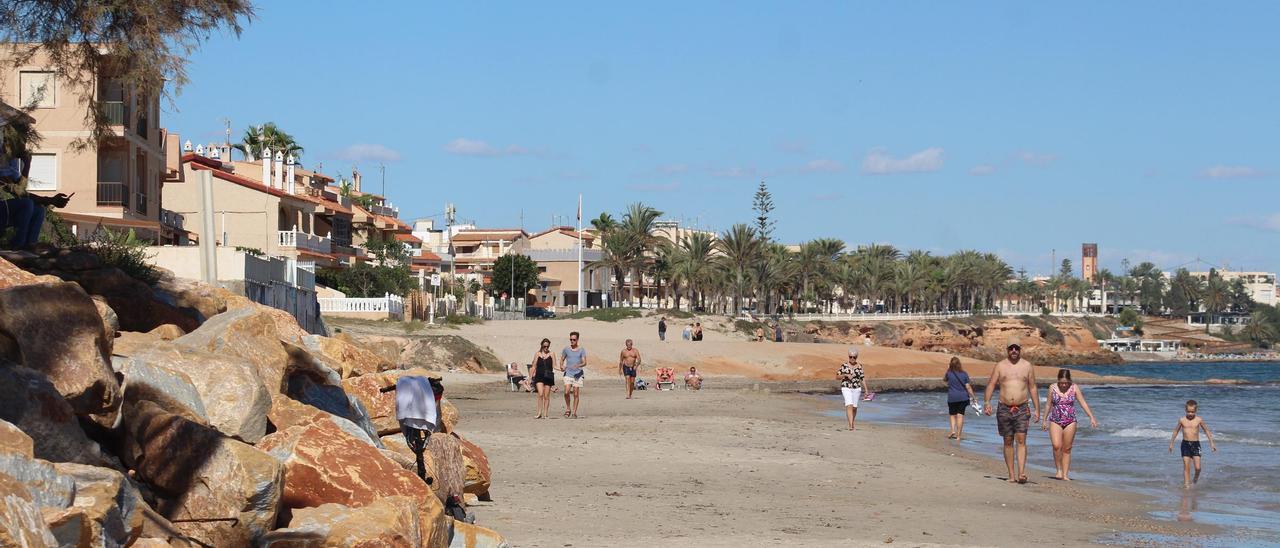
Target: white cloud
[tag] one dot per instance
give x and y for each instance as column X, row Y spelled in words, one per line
column 1231, row 172
column 1269, row 223
column 822, row 165
column 470, row 147
column 1036, row 158
column 734, row 172
column 982, row 169
column 367, row 152
column 879, row 162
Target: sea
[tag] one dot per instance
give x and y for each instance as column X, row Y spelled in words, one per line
column 1239, row 488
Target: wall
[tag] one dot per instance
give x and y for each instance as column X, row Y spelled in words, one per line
column 250, row 218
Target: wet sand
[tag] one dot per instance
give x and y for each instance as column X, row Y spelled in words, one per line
column 745, row 464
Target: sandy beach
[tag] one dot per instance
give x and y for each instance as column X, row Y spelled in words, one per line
column 737, row 466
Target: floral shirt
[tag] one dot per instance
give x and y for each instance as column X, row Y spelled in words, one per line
column 854, row 373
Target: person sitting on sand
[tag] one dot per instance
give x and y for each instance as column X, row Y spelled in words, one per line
column 852, row 382
column 697, row 331
column 959, row 395
column 1060, row 421
column 688, row 333
column 693, row 380
column 1017, row 381
column 1190, row 425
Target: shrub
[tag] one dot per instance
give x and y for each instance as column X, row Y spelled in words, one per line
column 605, row 314
column 673, row 313
column 462, row 319
column 1048, row 331
column 125, row 251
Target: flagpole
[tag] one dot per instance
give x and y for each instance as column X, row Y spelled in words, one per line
column 581, row 290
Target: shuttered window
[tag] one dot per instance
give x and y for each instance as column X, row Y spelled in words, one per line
column 44, row 172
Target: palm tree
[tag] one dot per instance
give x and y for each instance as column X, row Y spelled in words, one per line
column 604, row 223
column 616, row 247
column 270, row 136
column 638, row 223
column 1258, row 330
column 692, row 264
column 741, row 248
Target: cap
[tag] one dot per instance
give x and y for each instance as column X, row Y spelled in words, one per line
column 853, row 351
column 1013, row 345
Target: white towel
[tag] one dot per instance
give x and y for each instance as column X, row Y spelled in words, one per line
column 416, row 400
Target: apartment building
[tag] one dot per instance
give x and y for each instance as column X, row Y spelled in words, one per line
column 477, row 249
column 1260, row 285
column 556, row 252
column 115, row 184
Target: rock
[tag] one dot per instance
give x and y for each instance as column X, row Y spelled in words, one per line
column 405, row 461
column 59, row 333
column 129, row 342
column 345, row 357
column 477, row 480
column 466, row 535
column 150, row 378
column 106, row 510
column 233, row 397
column 215, row 489
column 381, row 406
column 447, row 466
column 74, row 260
column 391, row 521
column 286, row 325
column 13, row 441
column 110, row 321
column 167, row 332
column 30, row 402
column 323, row 464
column 207, row 300
column 448, row 415
column 247, row 334
column 137, row 305
column 314, row 384
column 396, row 444
column 287, row 412
column 21, row 523
column 13, row 276
column 48, row 489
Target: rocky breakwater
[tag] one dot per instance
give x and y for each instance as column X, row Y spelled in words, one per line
column 1045, row 340
column 227, row 426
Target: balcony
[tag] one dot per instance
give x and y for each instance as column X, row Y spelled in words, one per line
column 171, row 219
column 114, row 111
column 303, row 241
column 111, row 194
column 140, row 202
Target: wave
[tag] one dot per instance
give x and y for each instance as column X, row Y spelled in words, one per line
column 1157, row 434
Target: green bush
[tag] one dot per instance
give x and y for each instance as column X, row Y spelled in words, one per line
column 125, row 251
column 673, row 313
column 604, row 314
column 1131, row 318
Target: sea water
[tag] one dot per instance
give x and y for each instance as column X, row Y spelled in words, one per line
column 1239, row 487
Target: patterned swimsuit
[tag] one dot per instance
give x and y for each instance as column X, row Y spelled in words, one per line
column 1062, row 411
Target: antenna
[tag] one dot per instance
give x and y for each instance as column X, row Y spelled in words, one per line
column 383, row 168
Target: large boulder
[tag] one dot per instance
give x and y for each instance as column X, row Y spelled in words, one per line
column 215, row 489
column 149, row 378
column 287, row 412
column 448, row 416
column 128, row 343
column 57, row 331
column 391, row 521
column 110, row 320
column 21, row 522
column 207, row 300
column 248, row 334
column 231, row 392
column 106, row 509
column 136, row 304
column 31, row 403
column 315, row 384
column 323, row 465
column 448, row 467
column 466, row 535
column 12, row 276
column 14, row 441
column 349, row 359
column 478, row 479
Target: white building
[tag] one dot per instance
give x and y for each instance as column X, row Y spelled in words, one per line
column 1260, row 285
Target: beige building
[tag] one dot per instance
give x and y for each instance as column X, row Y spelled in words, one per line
column 270, row 206
column 475, row 250
column 556, row 252
column 115, row 184
column 1260, row 285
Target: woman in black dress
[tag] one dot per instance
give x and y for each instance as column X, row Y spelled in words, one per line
column 543, row 377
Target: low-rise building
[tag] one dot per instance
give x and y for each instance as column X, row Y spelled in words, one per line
column 476, row 250
column 1260, row 285
column 556, row 252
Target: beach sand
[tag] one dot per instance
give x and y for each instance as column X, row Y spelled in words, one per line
column 737, row 466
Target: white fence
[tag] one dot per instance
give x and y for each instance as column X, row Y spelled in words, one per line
column 388, row 306
column 302, row 240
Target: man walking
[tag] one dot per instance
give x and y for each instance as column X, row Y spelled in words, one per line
column 573, row 360
column 1017, row 381
column 662, row 329
column 628, row 363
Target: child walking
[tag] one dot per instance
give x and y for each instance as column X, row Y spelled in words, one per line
column 1190, row 426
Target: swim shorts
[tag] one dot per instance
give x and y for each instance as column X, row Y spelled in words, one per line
column 628, row 371
column 1190, row 448
column 1013, row 420
column 574, row 381
column 957, row 407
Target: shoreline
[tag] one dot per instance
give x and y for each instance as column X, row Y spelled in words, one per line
column 753, row 462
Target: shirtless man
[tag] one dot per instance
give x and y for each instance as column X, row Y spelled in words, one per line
column 1017, row 381
column 628, row 363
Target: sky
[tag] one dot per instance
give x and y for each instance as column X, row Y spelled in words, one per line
column 1024, row 129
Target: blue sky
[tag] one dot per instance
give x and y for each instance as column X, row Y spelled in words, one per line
column 1150, row 128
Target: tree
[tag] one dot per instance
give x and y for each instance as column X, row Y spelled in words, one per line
column 270, row 136
column 1064, row 270
column 763, row 205
column 142, row 44
column 604, row 223
column 741, row 247
column 1130, row 318
column 1260, row 330
column 1241, row 299
column 525, row 275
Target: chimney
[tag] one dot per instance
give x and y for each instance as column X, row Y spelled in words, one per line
column 355, row 176
column 279, row 167
column 266, row 166
column 214, row 152
column 186, row 147
column 199, row 150
column 289, row 174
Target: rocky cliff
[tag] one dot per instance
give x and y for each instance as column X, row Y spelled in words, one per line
column 1045, row 341
column 183, row 415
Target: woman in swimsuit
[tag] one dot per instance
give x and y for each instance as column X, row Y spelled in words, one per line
column 1061, row 420
column 543, row 377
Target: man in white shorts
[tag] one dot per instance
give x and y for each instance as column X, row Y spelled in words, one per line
column 573, row 360
column 852, row 383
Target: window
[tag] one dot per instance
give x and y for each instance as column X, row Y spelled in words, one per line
column 38, row 89
column 44, row 172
